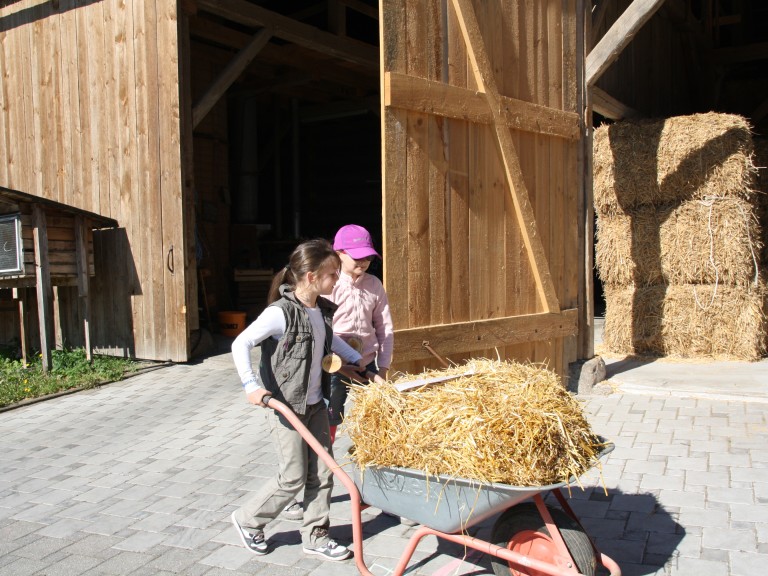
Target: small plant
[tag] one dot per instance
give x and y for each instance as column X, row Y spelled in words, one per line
column 69, row 369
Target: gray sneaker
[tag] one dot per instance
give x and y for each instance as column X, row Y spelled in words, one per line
column 254, row 541
column 293, row 512
column 326, row 548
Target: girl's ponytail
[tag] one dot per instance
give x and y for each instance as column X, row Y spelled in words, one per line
column 282, row 276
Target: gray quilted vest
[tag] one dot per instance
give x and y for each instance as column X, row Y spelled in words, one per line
column 285, row 363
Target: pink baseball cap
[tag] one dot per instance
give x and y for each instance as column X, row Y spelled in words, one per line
column 355, row 241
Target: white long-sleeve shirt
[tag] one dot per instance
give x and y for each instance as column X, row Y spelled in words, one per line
column 271, row 324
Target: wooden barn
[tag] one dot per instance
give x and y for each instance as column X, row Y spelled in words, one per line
column 218, row 132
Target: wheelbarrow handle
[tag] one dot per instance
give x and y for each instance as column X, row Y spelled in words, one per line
column 324, row 455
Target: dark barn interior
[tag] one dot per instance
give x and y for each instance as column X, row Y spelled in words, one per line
column 290, row 148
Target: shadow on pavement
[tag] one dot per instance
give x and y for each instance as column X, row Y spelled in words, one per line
column 635, row 530
column 627, row 364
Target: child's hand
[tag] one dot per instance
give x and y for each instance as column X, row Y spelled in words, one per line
column 257, row 397
column 383, row 373
column 377, row 379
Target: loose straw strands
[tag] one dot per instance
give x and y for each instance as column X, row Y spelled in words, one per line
column 506, row 422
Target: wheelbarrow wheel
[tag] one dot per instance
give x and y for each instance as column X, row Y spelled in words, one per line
column 522, row 530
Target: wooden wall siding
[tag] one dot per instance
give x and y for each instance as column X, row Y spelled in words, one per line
column 458, row 268
column 89, row 116
column 652, row 74
column 61, row 246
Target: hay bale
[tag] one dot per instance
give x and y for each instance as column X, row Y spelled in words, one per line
column 696, row 242
column 662, row 162
column 507, row 422
column 721, row 322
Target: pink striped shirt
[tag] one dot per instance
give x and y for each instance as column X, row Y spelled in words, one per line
column 364, row 312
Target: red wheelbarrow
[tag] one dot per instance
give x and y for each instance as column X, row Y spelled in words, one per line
column 528, row 538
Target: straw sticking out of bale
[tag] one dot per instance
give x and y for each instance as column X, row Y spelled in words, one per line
column 687, row 320
column 507, row 422
column 697, row 242
column 663, row 162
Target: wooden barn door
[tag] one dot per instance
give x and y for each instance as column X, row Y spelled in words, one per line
column 482, row 236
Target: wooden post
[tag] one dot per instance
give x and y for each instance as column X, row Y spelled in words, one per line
column 81, row 255
column 58, row 330
column 586, row 339
column 20, row 294
column 43, row 283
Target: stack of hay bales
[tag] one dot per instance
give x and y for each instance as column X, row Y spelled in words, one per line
column 496, row 421
column 678, row 237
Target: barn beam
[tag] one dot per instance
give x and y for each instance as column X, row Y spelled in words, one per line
column 618, row 37
column 293, row 31
column 228, row 76
column 422, row 95
column 609, row 107
column 463, row 337
column 330, row 69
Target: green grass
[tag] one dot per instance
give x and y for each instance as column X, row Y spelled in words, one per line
column 69, row 369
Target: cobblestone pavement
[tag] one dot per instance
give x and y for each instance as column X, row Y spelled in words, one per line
column 140, row 477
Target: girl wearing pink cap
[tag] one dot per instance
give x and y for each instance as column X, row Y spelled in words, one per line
column 362, row 318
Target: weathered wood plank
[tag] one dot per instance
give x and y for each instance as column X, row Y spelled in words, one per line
column 394, row 202
column 231, row 73
column 293, row 31
column 462, row 337
column 5, row 108
column 84, row 137
column 422, row 95
column 417, row 174
column 43, row 286
column 171, row 188
column 439, row 257
column 525, row 215
column 99, row 71
column 70, row 165
column 618, row 36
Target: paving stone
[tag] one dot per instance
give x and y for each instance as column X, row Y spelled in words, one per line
column 25, row 566
column 141, row 541
column 699, row 567
column 123, row 563
column 73, row 565
column 749, row 513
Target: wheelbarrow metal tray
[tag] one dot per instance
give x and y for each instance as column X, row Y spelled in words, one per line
column 445, row 503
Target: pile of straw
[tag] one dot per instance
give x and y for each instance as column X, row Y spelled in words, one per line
column 505, row 422
column 680, row 238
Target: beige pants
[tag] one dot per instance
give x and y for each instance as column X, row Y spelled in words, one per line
column 299, row 467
